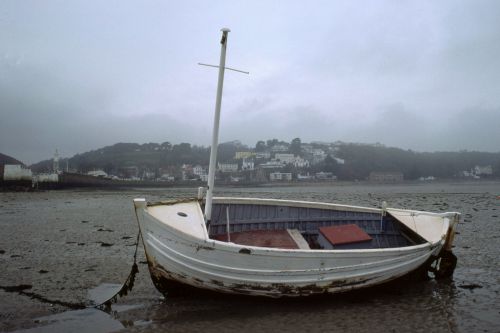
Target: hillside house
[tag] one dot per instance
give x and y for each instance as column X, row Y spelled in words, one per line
column 483, row 170
column 16, row 172
column 325, row 176
column 318, row 155
column 263, row 155
column 284, row 158
column 97, row 173
column 280, row 176
column 239, row 155
column 386, row 177
column 305, row 177
column 299, row 162
column 279, row 148
column 198, row 170
column 247, row 165
column 227, row 167
column 272, row 165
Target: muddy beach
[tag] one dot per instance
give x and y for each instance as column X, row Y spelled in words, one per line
column 63, row 251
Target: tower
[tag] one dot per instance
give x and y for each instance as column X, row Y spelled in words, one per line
column 55, row 165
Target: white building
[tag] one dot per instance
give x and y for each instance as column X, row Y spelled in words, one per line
column 97, row 173
column 339, row 160
column 304, row 177
column 425, row 179
column 227, row 167
column 318, row 156
column 235, row 179
column 247, row 165
column 46, row 178
column 263, row 154
column 325, row 175
column 243, row 154
column 150, row 175
column 284, row 158
column 272, row 165
column 483, row 170
column 280, row 176
column 279, row 148
column 198, row 170
column 299, row 162
column 166, row 177
column 16, row 172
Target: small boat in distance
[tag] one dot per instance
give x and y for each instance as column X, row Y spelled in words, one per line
column 279, row 248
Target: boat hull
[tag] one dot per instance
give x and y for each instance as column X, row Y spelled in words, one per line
column 178, row 258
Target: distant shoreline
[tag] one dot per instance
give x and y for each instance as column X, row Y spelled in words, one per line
column 24, row 186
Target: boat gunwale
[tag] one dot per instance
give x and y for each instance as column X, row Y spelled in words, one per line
column 319, row 205
column 265, row 251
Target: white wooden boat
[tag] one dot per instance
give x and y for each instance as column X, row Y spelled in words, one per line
column 281, row 248
column 181, row 250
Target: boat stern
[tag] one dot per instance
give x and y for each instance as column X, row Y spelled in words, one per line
column 140, row 205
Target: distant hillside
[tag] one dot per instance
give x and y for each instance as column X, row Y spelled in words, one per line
column 361, row 159
column 5, row 159
column 358, row 159
column 122, row 155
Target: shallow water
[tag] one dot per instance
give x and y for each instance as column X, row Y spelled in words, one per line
column 76, row 246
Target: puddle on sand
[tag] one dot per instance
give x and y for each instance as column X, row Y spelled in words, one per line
column 90, row 319
column 103, row 292
column 86, row 320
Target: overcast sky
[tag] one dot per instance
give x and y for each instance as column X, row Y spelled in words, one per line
column 79, row 75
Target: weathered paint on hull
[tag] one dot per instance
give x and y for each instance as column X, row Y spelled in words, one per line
column 170, row 285
column 236, row 269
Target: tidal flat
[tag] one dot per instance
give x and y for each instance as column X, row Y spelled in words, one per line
column 63, row 251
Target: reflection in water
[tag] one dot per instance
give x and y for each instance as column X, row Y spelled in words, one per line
column 87, row 320
column 103, row 292
column 401, row 306
column 91, row 319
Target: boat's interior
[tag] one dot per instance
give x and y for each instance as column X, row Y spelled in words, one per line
column 291, row 227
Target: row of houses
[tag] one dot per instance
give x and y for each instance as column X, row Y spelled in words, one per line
column 478, row 172
column 315, row 156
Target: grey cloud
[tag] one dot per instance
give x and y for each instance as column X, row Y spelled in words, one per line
column 419, row 75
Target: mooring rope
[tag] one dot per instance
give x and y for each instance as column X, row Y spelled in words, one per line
column 127, row 286
column 104, row 306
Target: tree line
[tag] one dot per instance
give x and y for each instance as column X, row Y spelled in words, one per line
column 359, row 159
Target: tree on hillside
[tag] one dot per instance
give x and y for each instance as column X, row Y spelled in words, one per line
column 272, row 142
column 227, row 151
column 295, row 146
column 166, row 146
column 260, row 146
column 330, row 164
column 181, row 153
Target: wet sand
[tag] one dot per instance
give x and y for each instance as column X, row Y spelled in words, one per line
column 67, row 248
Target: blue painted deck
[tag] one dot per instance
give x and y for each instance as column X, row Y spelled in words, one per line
column 246, row 217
